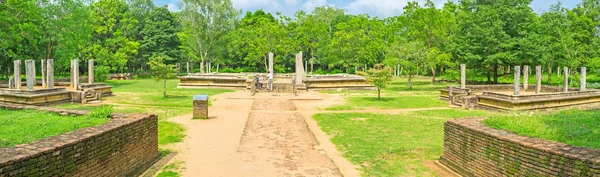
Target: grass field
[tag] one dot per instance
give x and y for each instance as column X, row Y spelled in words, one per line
column 391, row 145
column 145, row 96
column 574, row 127
column 23, row 126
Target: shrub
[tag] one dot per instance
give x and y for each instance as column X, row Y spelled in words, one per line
column 102, row 73
column 104, row 111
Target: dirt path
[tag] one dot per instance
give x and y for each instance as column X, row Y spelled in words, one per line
column 262, row 137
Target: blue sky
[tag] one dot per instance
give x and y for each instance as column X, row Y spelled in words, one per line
column 380, row 8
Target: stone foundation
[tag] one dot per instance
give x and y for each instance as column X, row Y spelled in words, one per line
column 500, row 97
column 473, row 149
column 125, row 146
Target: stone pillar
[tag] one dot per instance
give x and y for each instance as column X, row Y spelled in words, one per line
column 395, row 71
column 90, row 71
column 582, row 81
column 538, row 79
column 200, row 107
column 525, row 77
column 517, row 79
column 30, row 73
column 463, row 75
column 558, row 71
column 17, row 74
column 75, row 74
column 299, row 68
column 44, row 80
column 188, row 67
column 306, row 66
column 566, row 78
column 50, row 73
column 365, row 69
column 11, row 83
column 271, row 61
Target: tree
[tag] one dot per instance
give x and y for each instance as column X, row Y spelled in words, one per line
column 161, row 70
column 160, row 36
column 380, row 77
column 114, row 34
column 205, row 23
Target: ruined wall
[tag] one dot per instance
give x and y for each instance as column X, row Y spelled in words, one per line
column 473, row 149
column 125, row 146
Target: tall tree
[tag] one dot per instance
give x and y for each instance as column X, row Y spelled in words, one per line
column 205, row 23
column 160, row 36
column 114, row 34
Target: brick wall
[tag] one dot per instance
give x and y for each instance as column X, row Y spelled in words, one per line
column 124, row 146
column 473, row 149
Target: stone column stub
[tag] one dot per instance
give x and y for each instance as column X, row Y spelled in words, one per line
column 582, row 81
column 463, row 75
column 538, row 79
column 90, row 71
column 17, row 74
column 525, row 77
column 30, row 73
column 517, row 80
column 50, row 73
column 566, row 78
column 44, row 69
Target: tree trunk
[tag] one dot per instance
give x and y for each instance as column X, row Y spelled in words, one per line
column 410, row 81
column 266, row 63
column 495, row 74
column 549, row 75
column 378, row 93
column 433, row 73
column 165, row 88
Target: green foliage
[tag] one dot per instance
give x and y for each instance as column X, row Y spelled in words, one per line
column 380, row 77
column 574, row 127
column 104, row 111
column 161, row 70
column 101, row 73
column 23, row 126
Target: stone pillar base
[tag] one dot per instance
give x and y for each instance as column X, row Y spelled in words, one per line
column 200, row 107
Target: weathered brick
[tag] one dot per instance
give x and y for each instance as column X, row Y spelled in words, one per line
column 476, row 150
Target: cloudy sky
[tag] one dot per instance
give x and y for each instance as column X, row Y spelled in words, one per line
column 380, row 8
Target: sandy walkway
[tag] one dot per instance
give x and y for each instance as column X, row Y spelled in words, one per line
column 262, row 137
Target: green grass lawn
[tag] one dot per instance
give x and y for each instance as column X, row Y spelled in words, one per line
column 396, row 96
column 23, row 126
column 146, row 96
column 390, row 145
column 574, row 127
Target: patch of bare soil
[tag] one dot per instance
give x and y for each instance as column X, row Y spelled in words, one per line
column 279, row 143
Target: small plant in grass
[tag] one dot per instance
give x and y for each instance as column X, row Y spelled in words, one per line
column 161, row 70
column 104, row 111
column 380, row 77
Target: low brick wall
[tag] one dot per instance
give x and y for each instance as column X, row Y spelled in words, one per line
column 473, row 149
column 124, row 146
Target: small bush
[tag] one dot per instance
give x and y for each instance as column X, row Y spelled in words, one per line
column 101, row 73
column 104, row 111
column 226, row 70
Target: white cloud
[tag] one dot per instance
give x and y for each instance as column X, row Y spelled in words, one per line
column 267, row 5
column 384, row 8
column 172, row 7
column 292, row 2
column 312, row 4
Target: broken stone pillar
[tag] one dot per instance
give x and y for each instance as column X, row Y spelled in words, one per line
column 299, row 69
column 558, row 71
column 90, row 71
column 200, row 107
column 538, row 79
column 44, row 81
column 517, row 79
column 525, row 77
column 75, row 74
column 17, row 74
column 450, row 95
column 50, row 73
column 11, row 83
column 463, row 75
column 188, row 67
column 566, row 78
column 271, row 62
column 30, row 73
column 582, row 81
